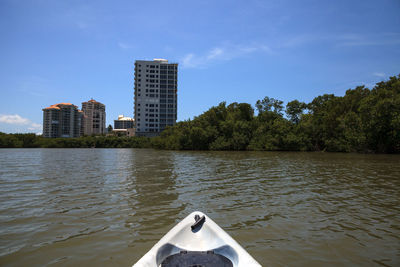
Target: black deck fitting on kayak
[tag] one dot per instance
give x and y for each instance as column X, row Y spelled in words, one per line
column 198, row 221
column 196, row 258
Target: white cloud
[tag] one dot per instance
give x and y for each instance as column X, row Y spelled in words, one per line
column 188, row 61
column 379, row 74
column 124, row 45
column 214, row 53
column 343, row 39
column 13, row 119
column 35, row 127
column 18, row 120
column 224, row 53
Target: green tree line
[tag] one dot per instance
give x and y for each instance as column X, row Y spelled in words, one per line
column 34, row 141
column 363, row 120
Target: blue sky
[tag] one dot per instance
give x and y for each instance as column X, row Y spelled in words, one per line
column 233, row 51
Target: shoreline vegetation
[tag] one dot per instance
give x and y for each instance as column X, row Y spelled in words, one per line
column 363, row 120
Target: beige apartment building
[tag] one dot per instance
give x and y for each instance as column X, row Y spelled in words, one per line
column 94, row 117
column 62, row 120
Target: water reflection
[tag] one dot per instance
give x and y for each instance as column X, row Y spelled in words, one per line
column 153, row 193
column 109, row 206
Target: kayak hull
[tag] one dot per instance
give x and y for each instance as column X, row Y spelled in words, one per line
column 207, row 236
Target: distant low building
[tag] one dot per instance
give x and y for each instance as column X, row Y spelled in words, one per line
column 123, row 122
column 94, row 121
column 124, row 126
column 123, row 132
column 62, row 120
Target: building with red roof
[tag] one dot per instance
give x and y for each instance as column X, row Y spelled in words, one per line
column 62, row 120
column 94, row 117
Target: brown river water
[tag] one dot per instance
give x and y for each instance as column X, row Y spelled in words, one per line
column 107, row 207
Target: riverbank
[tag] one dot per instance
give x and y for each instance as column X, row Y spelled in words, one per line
column 363, row 120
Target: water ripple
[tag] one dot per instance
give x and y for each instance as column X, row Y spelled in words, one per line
column 109, row 206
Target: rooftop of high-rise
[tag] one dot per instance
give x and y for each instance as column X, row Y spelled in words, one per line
column 123, row 118
column 56, row 106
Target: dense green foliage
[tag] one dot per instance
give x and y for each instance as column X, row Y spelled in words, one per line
column 362, row 120
column 31, row 141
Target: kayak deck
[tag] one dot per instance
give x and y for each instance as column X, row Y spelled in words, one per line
column 197, row 241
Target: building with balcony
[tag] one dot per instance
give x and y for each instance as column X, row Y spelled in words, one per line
column 94, row 119
column 62, row 120
column 155, row 96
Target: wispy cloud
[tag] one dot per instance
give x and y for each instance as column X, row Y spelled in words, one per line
column 367, row 42
column 35, row 127
column 33, row 85
column 222, row 53
column 343, row 39
column 82, row 16
column 124, row 46
column 228, row 51
column 379, row 74
column 355, row 40
column 18, row 120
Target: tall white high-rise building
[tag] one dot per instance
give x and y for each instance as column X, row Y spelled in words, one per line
column 156, row 86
